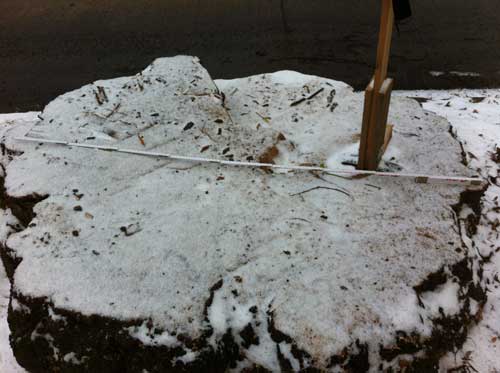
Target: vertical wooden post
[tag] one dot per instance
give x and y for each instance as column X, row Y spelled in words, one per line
column 377, row 97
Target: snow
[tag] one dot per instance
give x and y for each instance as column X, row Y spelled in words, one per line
column 286, row 350
column 475, row 116
column 7, row 221
column 217, row 315
column 8, row 363
column 71, row 357
column 444, row 298
column 187, row 358
column 10, row 119
column 330, row 268
column 226, row 312
column 149, row 338
column 403, row 315
column 48, row 338
column 264, row 352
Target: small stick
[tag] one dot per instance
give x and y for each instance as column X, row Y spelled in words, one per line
column 295, row 103
column 373, row 186
column 265, row 119
column 315, row 93
column 115, row 109
column 301, row 219
column 100, row 95
column 321, row 187
column 204, row 131
column 298, row 102
column 96, row 115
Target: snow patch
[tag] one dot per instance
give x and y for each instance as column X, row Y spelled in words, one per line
column 8, row 363
column 187, row 358
column 443, row 300
column 149, row 337
column 71, row 357
column 7, row 224
column 474, row 115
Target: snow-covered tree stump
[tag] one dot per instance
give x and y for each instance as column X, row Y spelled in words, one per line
column 131, row 263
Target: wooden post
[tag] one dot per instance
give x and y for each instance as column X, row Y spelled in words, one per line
column 377, row 97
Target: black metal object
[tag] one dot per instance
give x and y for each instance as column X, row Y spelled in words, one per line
column 402, row 9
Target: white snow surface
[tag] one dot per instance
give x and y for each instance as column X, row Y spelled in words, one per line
column 475, row 116
column 8, row 363
column 331, row 266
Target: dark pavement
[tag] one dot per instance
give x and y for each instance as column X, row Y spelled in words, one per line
column 48, row 47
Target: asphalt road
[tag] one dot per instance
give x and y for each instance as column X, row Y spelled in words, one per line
column 48, row 47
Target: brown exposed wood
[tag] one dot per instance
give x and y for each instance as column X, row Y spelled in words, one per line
column 384, row 43
column 380, row 127
column 365, row 129
column 387, row 137
column 377, row 97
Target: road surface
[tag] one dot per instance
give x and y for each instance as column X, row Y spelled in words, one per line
column 52, row 46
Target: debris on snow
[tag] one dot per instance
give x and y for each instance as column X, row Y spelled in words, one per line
column 474, row 115
column 211, row 265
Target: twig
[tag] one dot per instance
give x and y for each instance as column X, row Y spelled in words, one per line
column 301, row 219
column 115, row 109
column 321, row 178
column 340, row 176
column 100, row 95
column 205, row 132
column 331, row 96
column 322, row 187
column 315, row 93
column 298, row 102
column 204, row 94
column 96, row 115
column 325, row 180
column 182, row 168
column 127, row 123
column 374, row 186
column 295, row 103
column 265, row 119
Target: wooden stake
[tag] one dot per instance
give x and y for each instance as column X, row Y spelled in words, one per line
column 384, row 43
column 377, row 96
column 387, row 137
column 381, row 112
column 365, row 128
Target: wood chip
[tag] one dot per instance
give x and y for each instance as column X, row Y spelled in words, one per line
column 188, row 126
